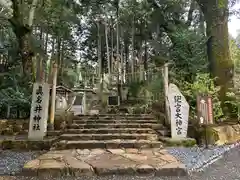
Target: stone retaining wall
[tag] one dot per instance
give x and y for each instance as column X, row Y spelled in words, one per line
column 217, row 134
column 20, row 126
column 13, row 126
column 227, row 134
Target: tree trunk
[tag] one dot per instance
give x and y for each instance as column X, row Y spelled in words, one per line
column 59, row 44
column 46, row 43
column 112, row 48
column 61, row 64
column 23, row 32
column 107, row 47
column 122, row 60
column 50, row 72
column 221, row 65
column 46, row 59
column 132, row 52
column 202, row 28
column 190, row 12
column 145, row 64
column 100, row 73
column 118, row 59
column 39, row 59
column 126, row 52
column 32, row 12
column 25, row 51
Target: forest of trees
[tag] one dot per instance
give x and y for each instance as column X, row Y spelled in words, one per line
column 191, row 35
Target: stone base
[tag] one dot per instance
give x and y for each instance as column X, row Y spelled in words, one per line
column 22, row 143
column 185, row 142
column 105, row 162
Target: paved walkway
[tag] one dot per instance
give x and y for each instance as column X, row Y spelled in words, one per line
column 227, row 168
column 105, row 162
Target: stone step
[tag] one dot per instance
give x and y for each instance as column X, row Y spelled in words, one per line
column 118, row 125
column 112, row 121
column 109, row 131
column 93, row 163
column 123, row 115
column 115, row 117
column 164, row 132
column 107, row 144
column 108, row 136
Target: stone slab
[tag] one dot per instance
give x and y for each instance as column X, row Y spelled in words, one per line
column 109, row 131
column 175, row 169
column 107, row 144
column 116, row 125
column 107, row 163
column 88, row 162
column 31, row 168
column 109, row 136
column 93, row 121
column 77, row 167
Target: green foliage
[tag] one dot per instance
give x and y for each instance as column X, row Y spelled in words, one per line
column 179, row 142
column 134, row 89
column 156, row 86
column 203, row 84
column 14, row 91
column 149, row 90
column 70, row 77
column 70, row 29
column 233, row 97
column 233, row 103
column 235, row 53
column 188, row 55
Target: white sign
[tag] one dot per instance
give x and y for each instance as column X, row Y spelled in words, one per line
column 179, row 109
column 39, row 111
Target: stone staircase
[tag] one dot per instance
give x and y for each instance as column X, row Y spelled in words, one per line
column 110, row 132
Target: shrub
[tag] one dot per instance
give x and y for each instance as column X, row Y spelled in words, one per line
column 203, row 84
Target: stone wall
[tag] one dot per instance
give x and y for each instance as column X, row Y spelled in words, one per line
column 217, row 134
column 20, row 126
column 13, row 126
column 227, row 134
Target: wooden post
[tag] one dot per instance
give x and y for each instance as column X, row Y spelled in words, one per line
column 165, row 76
column 8, row 111
column 53, row 97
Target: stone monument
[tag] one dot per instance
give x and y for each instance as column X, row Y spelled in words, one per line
column 179, row 112
column 39, row 111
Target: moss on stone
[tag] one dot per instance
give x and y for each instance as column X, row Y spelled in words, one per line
column 26, row 144
column 13, row 126
column 184, row 142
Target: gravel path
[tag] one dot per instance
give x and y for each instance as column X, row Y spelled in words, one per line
column 12, row 162
column 227, row 168
column 197, row 158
